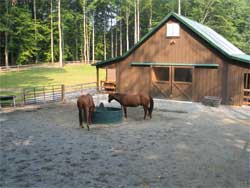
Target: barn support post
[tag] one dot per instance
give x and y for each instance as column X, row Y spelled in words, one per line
column 97, row 79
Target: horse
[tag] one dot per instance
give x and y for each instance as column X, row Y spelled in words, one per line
column 86, row 103
column 133, row 100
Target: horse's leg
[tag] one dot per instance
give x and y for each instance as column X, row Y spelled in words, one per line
column 80, row 117
column 145, row 111
column 87, row 116
column 125, row 111
column 90, row 114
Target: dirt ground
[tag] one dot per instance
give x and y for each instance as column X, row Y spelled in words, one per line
column 184, row 145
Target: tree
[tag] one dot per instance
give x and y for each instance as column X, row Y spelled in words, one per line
column 60, row 34
column 51, row 32
column 6, row 51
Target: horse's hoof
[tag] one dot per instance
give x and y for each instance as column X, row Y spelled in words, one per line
column 81, row 127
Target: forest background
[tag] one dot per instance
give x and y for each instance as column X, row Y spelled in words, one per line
column 34, row 31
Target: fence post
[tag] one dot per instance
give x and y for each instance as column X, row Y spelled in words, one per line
column 63, row 92
column 44, row 99
column 24, row 97
column 53, row 94
column 35, row 94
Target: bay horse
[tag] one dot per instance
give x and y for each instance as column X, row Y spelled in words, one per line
column 86, row 103
column 133, row 100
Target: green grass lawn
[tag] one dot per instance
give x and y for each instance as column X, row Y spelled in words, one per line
column 33, row 77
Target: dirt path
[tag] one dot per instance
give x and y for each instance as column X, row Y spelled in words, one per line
column 184, row 145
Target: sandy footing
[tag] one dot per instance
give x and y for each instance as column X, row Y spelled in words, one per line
column 184, row 145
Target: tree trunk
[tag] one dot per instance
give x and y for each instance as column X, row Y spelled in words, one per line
column 120, row 37
column 116, row 42
column 76, row 52
column 104, row 46
column 127, row 29
column 84, row 32
column 138, row 20
column 112, row 40
column 93, row 39
column 51, row 32
column 179, row 7
column 6, row 50
column 135, row 26
column 150, row 14
column 60, row 34
column 34, row 11
column 87, row 44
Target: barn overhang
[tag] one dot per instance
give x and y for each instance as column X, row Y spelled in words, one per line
column 154, row 64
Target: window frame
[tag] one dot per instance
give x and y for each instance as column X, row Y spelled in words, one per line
column 169, row 74
column 183, row 82
column 168, row 26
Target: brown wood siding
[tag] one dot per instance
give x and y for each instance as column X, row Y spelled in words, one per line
column 206, row 83
column 188, row 48
column 235, row 83
column 111, row 74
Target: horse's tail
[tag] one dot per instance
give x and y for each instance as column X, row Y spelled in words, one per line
column 151, row 107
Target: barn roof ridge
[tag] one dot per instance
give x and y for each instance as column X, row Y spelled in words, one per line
column 206, row 33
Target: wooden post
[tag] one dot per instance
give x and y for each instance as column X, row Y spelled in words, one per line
column 44, row 99
column 24, row 97
column 97, row 79
column 63, row 93
column 35, row 94
column 53, row 94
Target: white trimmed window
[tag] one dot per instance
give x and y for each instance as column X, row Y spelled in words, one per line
column 173, row 30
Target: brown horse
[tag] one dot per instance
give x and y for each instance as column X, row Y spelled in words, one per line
column 129, row 100
column 86, row 103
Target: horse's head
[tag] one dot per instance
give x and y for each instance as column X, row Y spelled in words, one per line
column 111, row 97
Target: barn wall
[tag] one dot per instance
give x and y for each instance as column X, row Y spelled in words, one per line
column 235, row 83
column 206, row 83
column 188, row 48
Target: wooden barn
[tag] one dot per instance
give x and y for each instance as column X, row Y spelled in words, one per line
column 181, row 59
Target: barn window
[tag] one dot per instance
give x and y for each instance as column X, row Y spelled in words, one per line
column 183, row 75
column 173, row 30
column 161, row 73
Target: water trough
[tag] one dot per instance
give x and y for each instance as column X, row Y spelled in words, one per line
column 106, row 115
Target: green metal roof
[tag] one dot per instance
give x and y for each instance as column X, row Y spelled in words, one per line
column 214, row 39
column 171, row 64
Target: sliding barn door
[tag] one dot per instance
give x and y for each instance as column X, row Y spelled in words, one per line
column 172, row 82
column 161, row 82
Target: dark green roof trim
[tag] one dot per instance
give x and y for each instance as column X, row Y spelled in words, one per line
column 171, row 64
column 188, row 23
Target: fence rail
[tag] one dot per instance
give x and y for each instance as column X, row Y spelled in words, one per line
column 46, row 94
column 43, row 64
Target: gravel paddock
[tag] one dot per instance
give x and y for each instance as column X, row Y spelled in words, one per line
column 184, row 145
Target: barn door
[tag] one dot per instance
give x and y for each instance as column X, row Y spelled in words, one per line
column 182, row 78
column 172, row 82
column 161, row 82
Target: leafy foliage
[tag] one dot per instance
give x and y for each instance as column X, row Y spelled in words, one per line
column 28, row 40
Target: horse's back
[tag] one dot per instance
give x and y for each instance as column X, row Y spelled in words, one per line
column 82, row 100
